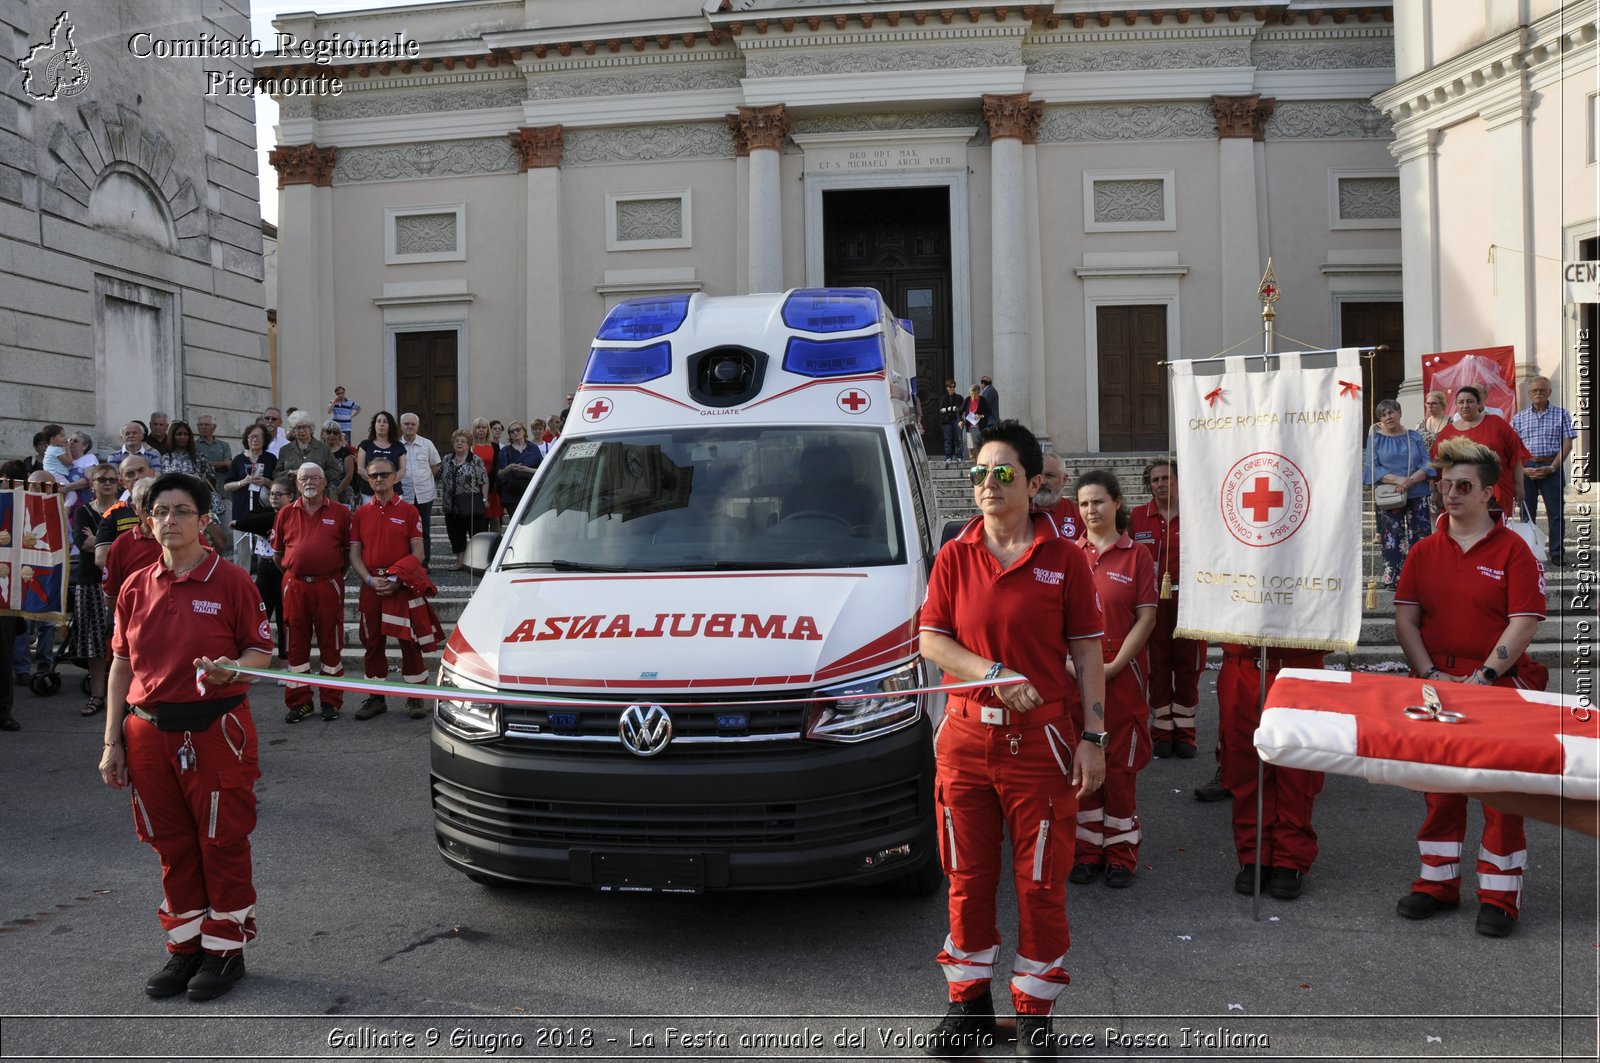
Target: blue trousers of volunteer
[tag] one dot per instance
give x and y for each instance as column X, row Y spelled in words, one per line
column 1013, row 778
column 199, row 823
column 314, row 607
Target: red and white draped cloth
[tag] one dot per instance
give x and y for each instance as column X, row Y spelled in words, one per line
column 408, row 616
column 1508, row 740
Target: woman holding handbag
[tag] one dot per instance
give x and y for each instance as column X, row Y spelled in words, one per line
column 1398, row 471
column 464, row 487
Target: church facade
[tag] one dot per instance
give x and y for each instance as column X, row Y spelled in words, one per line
column 1059, row 195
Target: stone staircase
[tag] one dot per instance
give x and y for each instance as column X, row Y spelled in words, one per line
column 1557, row 636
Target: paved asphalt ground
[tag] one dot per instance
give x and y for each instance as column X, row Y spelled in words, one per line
column 367, row 938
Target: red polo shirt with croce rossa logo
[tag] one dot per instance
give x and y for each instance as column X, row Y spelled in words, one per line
column 1147, row 527
column 1467, row 597
column 1125, row 579
column 313, row 543
column 1067, row 517
column 385, row 531
column 1022, row 616
column 164, row 624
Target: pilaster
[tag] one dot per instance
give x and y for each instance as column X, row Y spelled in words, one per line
column 1013, row 121
column 760, row 132
column 305, row 350
column 1241, row 124
column 539, row 153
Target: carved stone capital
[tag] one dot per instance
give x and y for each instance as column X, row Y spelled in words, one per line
column 537, row 147
column 1013, row 116
column 1243, row 117
column 741, row 144
column 755, row 128
column 303, row 164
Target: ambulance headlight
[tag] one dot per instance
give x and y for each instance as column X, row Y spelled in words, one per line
column 868, row 707
column 475, row 721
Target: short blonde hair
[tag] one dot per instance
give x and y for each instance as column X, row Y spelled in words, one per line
column 461, row 433
column 1459, row 450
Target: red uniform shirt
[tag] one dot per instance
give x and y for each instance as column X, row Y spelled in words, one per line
column 1125, row 579
column 1022, row 616
column 1149, row 528
column 1494, row 433
column 385, row 532
column 312, row 544
column 1067, row 517
column 128, row 554
column 163, row 624
column 1467, row 598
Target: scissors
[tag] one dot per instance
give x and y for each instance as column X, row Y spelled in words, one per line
column 1432, row 708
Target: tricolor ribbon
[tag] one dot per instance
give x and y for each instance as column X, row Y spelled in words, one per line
column 500, row 697
column 1348, row 388
column 1213, row 395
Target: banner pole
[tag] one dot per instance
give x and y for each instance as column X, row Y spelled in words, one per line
column 1269, row 294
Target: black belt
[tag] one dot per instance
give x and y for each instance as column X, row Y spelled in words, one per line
column 313, row 579
column 1543, row 457
column 188, row 715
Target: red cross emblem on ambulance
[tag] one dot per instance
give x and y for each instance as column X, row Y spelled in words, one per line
column 598, row 410
column 854, row 401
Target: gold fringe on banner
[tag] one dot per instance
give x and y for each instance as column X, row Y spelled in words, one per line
column 1281, row 642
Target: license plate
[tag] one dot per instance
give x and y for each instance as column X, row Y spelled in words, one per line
column 649, row 872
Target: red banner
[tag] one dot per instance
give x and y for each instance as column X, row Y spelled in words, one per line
column 1491, row 369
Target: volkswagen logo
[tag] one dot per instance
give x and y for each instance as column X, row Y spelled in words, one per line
column 645, row 729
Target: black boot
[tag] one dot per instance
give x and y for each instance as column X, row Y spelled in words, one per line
column 1035, row 1038
column 174, row 977
column 966, row 1028
column 216, row 975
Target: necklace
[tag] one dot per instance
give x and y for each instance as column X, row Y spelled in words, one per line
column 1466, row 541
column 176, row 572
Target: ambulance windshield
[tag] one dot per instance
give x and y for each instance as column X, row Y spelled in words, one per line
column 720, row 497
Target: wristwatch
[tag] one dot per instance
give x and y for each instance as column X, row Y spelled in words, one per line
column 1098, row 738
column 1489, row 674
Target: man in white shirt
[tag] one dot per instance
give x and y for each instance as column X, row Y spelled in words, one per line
column 272, row 421
column 420, row 484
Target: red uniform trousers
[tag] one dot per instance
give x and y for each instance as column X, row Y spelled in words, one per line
column 1175, row 667
column 1287, row 837
column 985, row 786
column 314, row 607
column 412, row 670
column 1502, row 855
column 199, row 823
column 1108, row 819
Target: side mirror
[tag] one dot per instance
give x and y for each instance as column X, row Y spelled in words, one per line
column 480, row 552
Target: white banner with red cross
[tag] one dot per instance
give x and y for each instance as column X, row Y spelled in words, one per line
column 1269, row 462
column 34, row 552
column 1477, row 739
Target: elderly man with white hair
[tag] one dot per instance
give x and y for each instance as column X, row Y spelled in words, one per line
column 311, row 544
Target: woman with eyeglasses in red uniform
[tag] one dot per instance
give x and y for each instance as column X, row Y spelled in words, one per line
column 1011, row 597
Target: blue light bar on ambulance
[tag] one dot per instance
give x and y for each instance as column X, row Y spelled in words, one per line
column 627, row 365
column 644, row 319
column 831, row 309
column 822, row 358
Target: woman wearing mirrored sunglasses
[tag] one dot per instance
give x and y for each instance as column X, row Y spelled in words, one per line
column 1010, row 597
column 1471, row 597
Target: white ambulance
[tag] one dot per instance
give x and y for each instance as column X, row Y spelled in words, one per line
column 713, row 582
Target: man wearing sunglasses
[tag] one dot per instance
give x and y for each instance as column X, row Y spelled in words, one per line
column 381, row 533
column 1011, row 597
column 1470, row 600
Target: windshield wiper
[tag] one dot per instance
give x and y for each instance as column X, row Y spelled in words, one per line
column 568, row 566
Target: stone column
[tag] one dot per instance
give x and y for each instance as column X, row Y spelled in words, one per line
column 1512, row 225
column 760, row 133
column 306, row 358
column 1416, row 152
column 1241, row 123
column 547, row 358
column 1013, row 121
